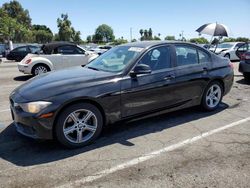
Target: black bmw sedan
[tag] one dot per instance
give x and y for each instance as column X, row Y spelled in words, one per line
column 130, row 80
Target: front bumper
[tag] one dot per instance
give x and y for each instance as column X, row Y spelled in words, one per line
column 244, row 67
column 32, row 125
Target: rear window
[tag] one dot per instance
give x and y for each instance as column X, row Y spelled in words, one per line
column 186, row 55
column 203, row 57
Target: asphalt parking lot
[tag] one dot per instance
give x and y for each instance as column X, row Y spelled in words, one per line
column 188, row 148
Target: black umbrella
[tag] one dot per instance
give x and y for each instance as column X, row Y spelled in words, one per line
column 214, row 29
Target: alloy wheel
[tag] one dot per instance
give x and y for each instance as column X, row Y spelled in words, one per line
column 40, row 70
column 213, row 96
column 80, row 126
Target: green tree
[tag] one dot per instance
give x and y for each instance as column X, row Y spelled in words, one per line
column 76, row 36
column 42, row 34
column 200, row 40
column 66, row 31
column 156, row 38
column 145, row 34
column 15, row 23
column 64, row 26
column 15, row 10
column 141, row 32
column 170, row 37
column 242, row 39
column 150, row 34
column 229, row 40
column 119, row 41
column 89, row 38
column 103, row 33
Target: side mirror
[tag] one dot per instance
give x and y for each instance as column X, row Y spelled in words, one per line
column 86, row 53
column 140, row 69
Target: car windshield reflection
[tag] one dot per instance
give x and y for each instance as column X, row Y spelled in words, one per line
column 116, row 59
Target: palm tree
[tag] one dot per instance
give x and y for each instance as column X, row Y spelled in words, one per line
column 150, row 34
column 145, row 34
column 141, row 32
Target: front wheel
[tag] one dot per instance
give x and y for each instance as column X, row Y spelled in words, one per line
column 79, row 125
column 212, row 96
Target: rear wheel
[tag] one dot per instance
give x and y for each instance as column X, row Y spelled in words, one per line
column 246, row 76
column 40, row 69
column 79, row 125
column 212, row 96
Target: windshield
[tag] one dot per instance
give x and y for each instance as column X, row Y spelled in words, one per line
column 116, row 59
column 225, row 45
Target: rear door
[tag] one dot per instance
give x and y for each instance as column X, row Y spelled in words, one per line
column 152, row 91
column 191, row 71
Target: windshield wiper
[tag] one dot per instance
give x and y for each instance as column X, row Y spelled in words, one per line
column 93, row 68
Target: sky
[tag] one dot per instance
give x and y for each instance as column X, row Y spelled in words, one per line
column 163, row 16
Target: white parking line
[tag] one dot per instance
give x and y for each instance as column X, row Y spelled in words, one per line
column 151, row 155
column 6, row 110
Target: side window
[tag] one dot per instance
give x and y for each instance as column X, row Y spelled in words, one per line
column 33, row 49
column 203, row 57
column 186, row 55
column 238, row 45
column 21, row 49
column 79, row 50
column 158, row 58
column 243, row 47
column 66, row 50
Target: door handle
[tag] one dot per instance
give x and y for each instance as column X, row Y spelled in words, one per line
column 205, row 69
column 169, row 77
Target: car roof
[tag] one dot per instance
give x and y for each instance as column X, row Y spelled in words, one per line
column 148, row 44
column 48, row 48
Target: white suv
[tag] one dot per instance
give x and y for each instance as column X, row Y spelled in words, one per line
column 54, row 56
column 227, row 49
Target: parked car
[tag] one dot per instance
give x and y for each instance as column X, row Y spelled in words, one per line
column 227, row 49
column 54, row 56
column 243, row 52
column 19, row 53
column 242, row 49
column 100, row 49
column 127, row 81
column 2, row 50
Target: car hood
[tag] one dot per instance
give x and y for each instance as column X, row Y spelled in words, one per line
column 62, row 81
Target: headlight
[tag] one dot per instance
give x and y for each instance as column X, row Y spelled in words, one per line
column 34, row 107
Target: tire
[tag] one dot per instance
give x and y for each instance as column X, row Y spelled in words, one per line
column 71, row 124
column 210, row 101
column 246, row 76
column 227, row 56
column 40, row 69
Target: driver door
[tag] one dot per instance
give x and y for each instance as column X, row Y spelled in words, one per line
column 153, row 91
column 72, row 56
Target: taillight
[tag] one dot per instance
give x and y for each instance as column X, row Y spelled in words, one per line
column 28, row 61
column 245, row 56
